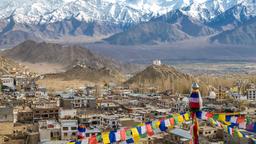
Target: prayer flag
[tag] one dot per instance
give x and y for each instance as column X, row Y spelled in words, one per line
column 162, row 126
column 180, row 119
column 199, row 115
column 222, row 118
column 123, row 135
column 242, row 125
column 81, row 128
column 230, row 131
column 112, row 137
column 139, row 130
column 209, row 115
column 149, row 130
column 240, row 119
column 172, row 121
column 118, row 136
column 105, row 137
column 143, row 129
column 216, row 116
column 204, row 115
column 135, row 134
column 85, row 141
column 130, row 141
column 228, row 118
column 93, row 140
column 186, row 116
column 128, row 134
column 167, row 122
column 233, row 119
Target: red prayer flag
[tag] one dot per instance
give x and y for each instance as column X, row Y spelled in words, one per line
column 123, row 135
column 93, row 140
column 149, row 130
column 209, row 115
column 172, row 121
column 240, row 119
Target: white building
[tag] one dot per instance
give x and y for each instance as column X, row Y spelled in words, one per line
column 251, row 94
column 8, row 81
column 68, row 129
column 41, row 92
column 67, row 113
column 157, row 62
column 49, row 130
column 95, row 121
column 110, row 121
column 91, row 120
column 238, row 96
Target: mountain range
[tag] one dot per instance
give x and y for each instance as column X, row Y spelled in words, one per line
column 127, row 22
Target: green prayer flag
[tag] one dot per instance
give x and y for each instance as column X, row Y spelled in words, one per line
column 176, row 120
column 128, row 134
column 99, row 138
column 216, row 116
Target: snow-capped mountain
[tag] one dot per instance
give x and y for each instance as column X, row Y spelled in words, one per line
column 55, row 19
column 49, row 11
column 125, row 11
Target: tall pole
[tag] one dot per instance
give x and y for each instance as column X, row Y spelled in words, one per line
column 195, row 105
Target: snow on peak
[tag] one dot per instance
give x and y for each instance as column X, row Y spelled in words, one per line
column 48, row 11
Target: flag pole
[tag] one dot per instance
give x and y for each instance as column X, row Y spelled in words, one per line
column 195, row 105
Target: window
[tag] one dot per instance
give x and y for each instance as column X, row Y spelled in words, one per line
column 45, row 116
column 73, row 128
column 73, row 134
column 65, row 128
column 65, row 134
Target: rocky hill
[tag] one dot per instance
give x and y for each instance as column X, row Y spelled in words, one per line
column 51, row 53
column 158, row 76
column 8, row 66
column 84, row 73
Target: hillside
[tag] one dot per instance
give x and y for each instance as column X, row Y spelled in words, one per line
column 243, row 35
column 158, row 76
column 84, row 73
column 8, row 66
column 51, row 53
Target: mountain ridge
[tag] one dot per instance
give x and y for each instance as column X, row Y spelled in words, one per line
column 42, row 52
column 104, row 19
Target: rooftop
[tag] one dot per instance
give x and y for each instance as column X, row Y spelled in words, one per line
column 181, row 133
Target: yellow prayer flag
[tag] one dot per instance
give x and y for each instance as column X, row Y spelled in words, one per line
column 180, row 119
column 135, row 134
column 227, row 123
column 105, row 137
column 158, row 124
column 239, row 134
column 186, row 116
column 222, row 117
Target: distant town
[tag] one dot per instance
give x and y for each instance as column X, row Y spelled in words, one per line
column 30, row 114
